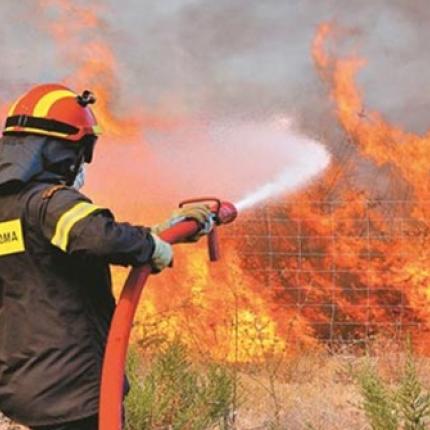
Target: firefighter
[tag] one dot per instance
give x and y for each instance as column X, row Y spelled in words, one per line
column 56, row 246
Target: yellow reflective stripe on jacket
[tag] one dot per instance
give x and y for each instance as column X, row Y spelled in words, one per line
column 68, row 220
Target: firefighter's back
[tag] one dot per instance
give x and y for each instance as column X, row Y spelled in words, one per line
column 50, row 351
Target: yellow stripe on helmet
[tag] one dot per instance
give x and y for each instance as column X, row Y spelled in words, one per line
column 67, row 222
column 35, row 131
column 47, row 101
column 12, row 108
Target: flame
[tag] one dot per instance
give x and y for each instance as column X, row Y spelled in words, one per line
column 331, row 267
column 330, row 263
column 94, row 65
column 395, row 257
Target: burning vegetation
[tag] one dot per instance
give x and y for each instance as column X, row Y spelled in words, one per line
column 338, row 261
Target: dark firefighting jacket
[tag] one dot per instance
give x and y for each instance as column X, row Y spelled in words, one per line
column 56, row 301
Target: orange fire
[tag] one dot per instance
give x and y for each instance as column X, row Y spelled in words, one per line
column 334, row 262
column 395, row 279
column 93, row 62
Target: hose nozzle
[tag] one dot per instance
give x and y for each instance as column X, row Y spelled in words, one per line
column 223, row 213
column 227, row 213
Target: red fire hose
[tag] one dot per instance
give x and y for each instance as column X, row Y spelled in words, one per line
column 112, row 384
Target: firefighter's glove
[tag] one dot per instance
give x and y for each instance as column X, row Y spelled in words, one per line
column 162, row 256
column 201, row 213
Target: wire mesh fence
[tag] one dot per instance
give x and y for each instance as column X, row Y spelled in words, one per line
column 350, row 269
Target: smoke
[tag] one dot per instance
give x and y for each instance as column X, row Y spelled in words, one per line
column 246, row 57
column 228, row 159
column 222, row 65
column 251, row 58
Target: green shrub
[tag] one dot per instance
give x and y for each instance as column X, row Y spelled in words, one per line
column 405, row 407
column 413, row 402
column 173, row 394
column 378, row 401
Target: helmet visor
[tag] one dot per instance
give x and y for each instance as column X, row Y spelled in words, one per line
column 88, row 144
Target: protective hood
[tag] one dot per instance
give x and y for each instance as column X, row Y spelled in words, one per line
column 25, row 159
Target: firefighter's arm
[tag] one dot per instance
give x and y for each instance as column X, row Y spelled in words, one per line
column 73, row 224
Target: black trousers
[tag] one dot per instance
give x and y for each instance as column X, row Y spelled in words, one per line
column 90, row 423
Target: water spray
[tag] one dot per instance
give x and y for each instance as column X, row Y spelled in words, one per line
column 112, row 385
column 310, row 164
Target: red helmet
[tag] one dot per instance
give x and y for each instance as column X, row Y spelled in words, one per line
column 53, row 110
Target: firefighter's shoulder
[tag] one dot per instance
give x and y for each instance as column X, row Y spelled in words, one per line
column 50, row 191
column 58, row 200
column 58, row 195
column 61, row 209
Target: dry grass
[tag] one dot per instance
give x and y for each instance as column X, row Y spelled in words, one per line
column 313, row 391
